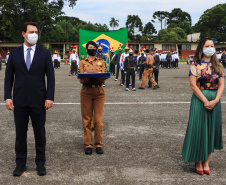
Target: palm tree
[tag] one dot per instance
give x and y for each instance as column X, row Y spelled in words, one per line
column 114, row 23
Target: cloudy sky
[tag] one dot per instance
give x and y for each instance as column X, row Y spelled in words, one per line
column 101, row 11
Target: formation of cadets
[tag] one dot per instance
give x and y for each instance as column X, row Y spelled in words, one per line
column 169, row 59
column 222, row 57
column 145, row 65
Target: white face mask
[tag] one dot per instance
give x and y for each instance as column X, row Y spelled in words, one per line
column 209, row 51
column 32, row 38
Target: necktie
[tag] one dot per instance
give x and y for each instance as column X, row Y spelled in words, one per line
column 28, row 59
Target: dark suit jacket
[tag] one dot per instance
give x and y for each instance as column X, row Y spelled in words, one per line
column 29, row 87
column 157, row 62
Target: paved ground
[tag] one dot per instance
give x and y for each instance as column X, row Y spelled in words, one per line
column 143, row 136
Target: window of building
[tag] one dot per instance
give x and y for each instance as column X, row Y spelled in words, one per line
column 186, row 47
column 147, row 46
column 169, row 47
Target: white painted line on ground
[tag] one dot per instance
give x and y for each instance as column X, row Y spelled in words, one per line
column 128, row 103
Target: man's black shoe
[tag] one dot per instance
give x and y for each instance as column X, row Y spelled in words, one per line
column 140, row 88
column 19, row 170
column 155, row 87
column 149, row 86
column 99, row 150
column 41, row 170
column 88, row 151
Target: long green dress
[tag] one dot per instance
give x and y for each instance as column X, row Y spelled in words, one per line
column 204, row 130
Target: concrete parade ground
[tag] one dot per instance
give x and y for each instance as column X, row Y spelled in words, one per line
column 143, row 136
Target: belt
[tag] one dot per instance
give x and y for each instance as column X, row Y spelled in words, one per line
column 149, row 66
column 92, row 86
column 130, row 67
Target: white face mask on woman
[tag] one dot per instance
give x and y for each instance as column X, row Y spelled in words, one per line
column 209, row 51
column 32, row 38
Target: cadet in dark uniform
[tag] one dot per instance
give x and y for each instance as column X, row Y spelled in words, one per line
column 112, row 61
column 100, row 54
column 92, row 98
column 141, row 62
column 117, row 61
column 156, row 66
column 168, row 59
column 129, row 66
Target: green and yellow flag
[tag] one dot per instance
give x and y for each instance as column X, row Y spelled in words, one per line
column 108, row 40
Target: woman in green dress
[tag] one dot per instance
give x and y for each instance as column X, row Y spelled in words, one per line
column 204, row 131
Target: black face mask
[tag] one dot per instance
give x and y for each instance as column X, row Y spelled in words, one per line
column 131, row 54
column 91, row 52
column 142, row 54
column 100, row 51
column 126, row 50
column 120, row 51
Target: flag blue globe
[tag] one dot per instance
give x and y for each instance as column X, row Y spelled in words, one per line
column 105, row 45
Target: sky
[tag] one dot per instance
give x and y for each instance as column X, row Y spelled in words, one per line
column 101, row 11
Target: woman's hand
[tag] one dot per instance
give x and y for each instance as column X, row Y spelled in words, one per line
column 213, row 103
column 210, row 105
column 207, row 105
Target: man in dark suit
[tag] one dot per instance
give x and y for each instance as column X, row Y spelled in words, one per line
column 25, row 74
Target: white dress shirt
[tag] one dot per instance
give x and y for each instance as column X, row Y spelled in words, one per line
column 74, row 56
column 32, row 52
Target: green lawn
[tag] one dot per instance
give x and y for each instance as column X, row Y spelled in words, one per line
column 183, row 60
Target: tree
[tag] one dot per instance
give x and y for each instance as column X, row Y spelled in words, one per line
column 171, row 34
column 178, row 18
column 137, row 38
column 212, row 23
column 113, row 23
column 149, row 29
column 133, row 21
column 160, row 16
column 19, row 11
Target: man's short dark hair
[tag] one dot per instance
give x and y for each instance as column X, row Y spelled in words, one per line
column 147, row 50
column 91, row 43
column 24, row 28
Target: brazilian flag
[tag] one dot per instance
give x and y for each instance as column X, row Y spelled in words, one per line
column 108, row 40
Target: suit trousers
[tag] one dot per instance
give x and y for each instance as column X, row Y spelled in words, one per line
column 156, row 75
column 130, row 72
column 176, row 63
column 73, row 68
column 117, row 70
column 141, row 72
column 112, row 68
column 55, row 63
column 122, row 77
column 148, row 74
column 38, row 117
column 92, row 106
